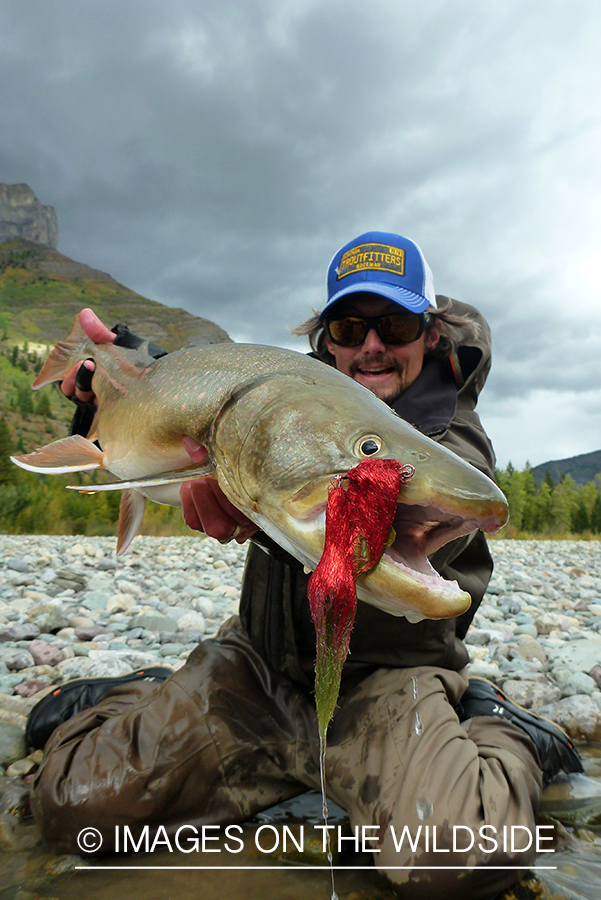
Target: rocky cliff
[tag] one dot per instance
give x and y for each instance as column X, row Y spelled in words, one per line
column 23, row 216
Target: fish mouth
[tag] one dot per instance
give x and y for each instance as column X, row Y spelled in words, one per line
column 421, row 530
column 403, row 581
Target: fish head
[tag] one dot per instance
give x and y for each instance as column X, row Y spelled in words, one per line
column 293, row 437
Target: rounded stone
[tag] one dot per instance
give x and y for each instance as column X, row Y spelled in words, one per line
column 12, row 744
column 527, row 629
column 120, row 603
column 578, row 683
column 45, row 654
column 49, row 618
column 192, row 621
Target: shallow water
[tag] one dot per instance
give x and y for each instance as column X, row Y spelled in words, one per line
column 40, row 874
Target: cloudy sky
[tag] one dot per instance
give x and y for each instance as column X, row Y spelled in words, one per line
column 213, row 154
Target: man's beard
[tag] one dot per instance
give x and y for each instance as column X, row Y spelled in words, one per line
column 384, row 363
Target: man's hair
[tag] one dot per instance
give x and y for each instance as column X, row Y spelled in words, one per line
column 454, row 330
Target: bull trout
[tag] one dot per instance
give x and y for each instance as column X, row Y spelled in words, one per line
column 278, row 427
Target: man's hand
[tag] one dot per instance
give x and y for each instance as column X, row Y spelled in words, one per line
column 204, row 505
column 72, row 384
column 206, row 508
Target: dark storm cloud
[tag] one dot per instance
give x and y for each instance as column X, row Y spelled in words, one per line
column 215, row 155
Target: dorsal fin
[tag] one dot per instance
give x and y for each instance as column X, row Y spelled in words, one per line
column 64, row 356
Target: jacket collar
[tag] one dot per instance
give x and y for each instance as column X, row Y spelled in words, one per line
column 430, row 402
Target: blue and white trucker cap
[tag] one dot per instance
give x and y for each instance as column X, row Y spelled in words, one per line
column 381, row 263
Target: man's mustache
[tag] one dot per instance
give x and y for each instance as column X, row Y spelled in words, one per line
column 381, row 362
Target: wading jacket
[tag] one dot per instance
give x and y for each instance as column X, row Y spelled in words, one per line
column 274, row 607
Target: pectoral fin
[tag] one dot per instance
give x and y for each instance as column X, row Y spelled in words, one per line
column 71, row 454
column 146, row 481
column 131, row 513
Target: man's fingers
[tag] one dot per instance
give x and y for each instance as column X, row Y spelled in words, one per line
column 194, row 449
column 77, row 384
column 94, row 328
column 203, row 511
column 83, row 377
column 206, row 508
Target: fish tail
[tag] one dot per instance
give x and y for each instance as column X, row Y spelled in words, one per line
column 64, row 356
column 71, row 454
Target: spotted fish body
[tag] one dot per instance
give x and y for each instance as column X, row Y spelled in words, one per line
column 278, row 427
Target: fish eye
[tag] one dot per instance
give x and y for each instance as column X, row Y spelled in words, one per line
column 368, row 446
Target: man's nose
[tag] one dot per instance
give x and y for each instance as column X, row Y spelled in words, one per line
column 373, row 342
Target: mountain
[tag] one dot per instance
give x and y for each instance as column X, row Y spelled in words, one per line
column 23, row 216
column 41, row 292
column 582, row 468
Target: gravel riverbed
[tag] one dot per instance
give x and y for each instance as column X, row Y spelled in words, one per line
column 69, row 609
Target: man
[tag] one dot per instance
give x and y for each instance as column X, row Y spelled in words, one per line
column 234, row 731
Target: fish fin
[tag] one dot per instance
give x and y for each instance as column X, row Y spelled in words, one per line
column 64, row 356
column 70, row 454
column 146, row 481
column 92, row 434
column 131, row 513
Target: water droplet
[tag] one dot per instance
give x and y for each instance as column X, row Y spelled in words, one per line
column 414, row 683
column 424, row 809
column 419, row 725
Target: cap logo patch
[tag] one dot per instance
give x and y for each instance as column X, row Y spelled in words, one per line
column 372, row 256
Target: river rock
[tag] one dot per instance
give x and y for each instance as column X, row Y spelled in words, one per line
column 12, row 743
column 578, row 683
column 530, row 650
column 18, row 565
column 15, row 658
column 579, row 715
column 45, row 653
column 154, row 621
column 531, row 694
column 24, row 631
column 579, row 655
column 49, row 618
column 595, row 674
column 192, row 621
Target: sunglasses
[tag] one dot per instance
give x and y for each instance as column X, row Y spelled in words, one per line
column 351, row 331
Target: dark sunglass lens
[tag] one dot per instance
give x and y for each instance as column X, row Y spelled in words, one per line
column 399, row 329
column 349, row 331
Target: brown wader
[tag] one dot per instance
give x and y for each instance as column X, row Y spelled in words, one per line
column 226, row 736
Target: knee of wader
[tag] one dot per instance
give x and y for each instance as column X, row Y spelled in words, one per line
column 449, row 863
column 70, row 816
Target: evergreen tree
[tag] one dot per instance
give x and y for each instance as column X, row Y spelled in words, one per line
column 44, row 408
column 24, row 400
column 596, row 514
column 562, row 504
column 529, row 487
column 542, row 508
column 580, row 518
column 7, row 469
